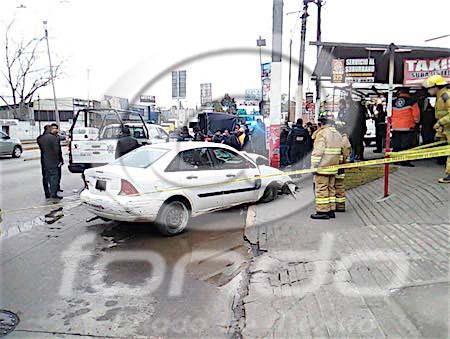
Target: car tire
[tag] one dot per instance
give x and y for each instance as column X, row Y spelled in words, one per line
column 173, row 217
column 270, row 194
column 17, row 152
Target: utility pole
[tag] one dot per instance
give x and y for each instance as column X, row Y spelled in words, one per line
column 275, row 97
column 289, row 87
column 260, row 43
column 299, row 98
column 318, row 39
column 51, row 74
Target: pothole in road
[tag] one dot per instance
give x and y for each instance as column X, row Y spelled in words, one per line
column 8, row 322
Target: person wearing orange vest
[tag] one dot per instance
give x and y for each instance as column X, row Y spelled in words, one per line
column 326, row 152
column 405, row 117
column 438, row 87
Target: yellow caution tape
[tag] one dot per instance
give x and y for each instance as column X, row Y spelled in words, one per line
column 417, row 151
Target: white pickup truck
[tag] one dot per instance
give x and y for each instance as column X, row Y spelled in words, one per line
column 94, row 134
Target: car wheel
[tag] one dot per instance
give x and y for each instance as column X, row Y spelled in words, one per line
column 270, row 194
column 173, row 217
column 17, row 152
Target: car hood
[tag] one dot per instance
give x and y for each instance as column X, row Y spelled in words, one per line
column 267, row 170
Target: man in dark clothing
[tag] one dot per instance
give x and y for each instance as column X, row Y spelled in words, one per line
column 231, row 140
column 184, row 134
column 51, row 161
column 45, row 182
column 300, row 144
column 380, row 127
column 198, row 135
column 342, row 110
column 55, row 132
column 259, row 138
column 217, row 137
column 284, row 147
column 126, row 143
column 428, row 120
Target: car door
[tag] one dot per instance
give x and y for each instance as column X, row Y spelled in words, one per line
column 5, row 144
column 194, row 172
column 237, row 176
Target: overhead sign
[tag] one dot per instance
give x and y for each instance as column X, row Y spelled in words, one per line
column 178, row 84
column 415, row 71
column 265, row 77
column 147, row 98
column 337, row 71
column 361, row 70
column 205, row 93
column 252, row 94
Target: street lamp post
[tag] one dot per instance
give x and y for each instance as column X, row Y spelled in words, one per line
column 261, row 43
column 299, row 98
column 289, row 87
column 319, row 39
column 52, row 78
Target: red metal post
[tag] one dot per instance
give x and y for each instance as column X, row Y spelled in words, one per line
column 388, row 149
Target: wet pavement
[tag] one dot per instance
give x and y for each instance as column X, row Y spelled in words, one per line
column 64, row 276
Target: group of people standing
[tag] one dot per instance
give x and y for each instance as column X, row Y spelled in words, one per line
column 296, row 144
column 51, row 161
column 239, row 138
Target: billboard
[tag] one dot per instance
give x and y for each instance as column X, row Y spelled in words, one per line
column 182, row 84
column 147, row 98
column 337, row 71
column 415, row 71
column 205, row 93
column 174, row 84
column 360, row 70
column 252, row 94
column 265, row 78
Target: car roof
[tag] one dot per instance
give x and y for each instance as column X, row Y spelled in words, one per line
column 186, row 145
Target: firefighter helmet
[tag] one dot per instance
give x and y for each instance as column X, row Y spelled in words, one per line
column 434, row 80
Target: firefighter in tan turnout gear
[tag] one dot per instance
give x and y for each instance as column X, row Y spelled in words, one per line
column 326, row 152
column 340, row 176
column 438, row 87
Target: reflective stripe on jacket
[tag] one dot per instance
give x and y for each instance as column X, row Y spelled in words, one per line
column 442, row 109
column 327, row 149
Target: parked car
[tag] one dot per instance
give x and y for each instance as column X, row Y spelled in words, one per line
column 169, row 183
column 10, row 146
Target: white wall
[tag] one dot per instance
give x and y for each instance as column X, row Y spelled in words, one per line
column 25, row 131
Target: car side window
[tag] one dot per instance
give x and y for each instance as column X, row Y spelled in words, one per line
column 197, row 159
column 226, row 159
column 163, row 133
column 153, row 131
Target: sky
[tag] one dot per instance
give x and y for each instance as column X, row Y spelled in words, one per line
column 116, row 47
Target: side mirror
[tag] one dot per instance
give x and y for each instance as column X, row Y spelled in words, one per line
column 260, row 161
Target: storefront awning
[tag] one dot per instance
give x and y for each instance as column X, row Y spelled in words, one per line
column 379, row 52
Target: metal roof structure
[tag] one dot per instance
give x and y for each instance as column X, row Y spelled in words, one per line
column 380, row 52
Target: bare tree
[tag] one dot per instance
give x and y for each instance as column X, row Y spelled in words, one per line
column 22, row 72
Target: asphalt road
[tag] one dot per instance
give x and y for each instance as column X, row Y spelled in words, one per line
column 63, row 276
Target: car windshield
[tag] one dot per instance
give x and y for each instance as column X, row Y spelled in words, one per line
column 141, row 158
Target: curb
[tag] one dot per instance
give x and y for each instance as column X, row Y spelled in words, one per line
column 250, row 220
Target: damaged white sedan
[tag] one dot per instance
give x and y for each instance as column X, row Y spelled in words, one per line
column 169, row 183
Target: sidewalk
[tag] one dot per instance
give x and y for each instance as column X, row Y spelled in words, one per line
column 381, row 269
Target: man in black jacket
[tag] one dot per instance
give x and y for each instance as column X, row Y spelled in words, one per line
column 45, row 182
column 300, row 144
column 50, row 161
column 126, row 143
column 55, row 132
